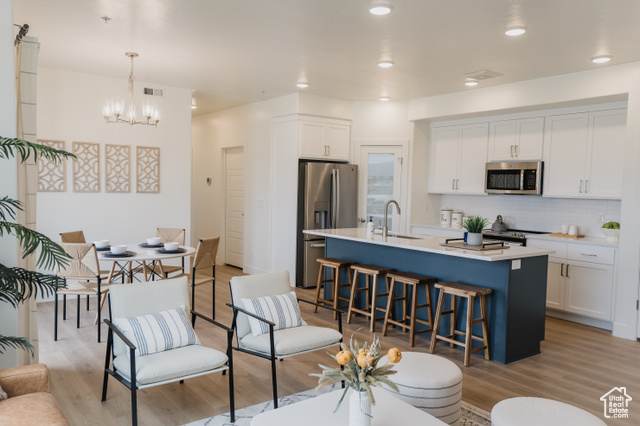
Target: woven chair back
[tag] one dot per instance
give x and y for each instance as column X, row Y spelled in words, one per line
column 84, row 261
column 206, row 252
column 169, row 235
column 72, row 237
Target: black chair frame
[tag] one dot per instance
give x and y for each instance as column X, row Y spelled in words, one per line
column 64, row 310
column 132, row 368
column 272, row 355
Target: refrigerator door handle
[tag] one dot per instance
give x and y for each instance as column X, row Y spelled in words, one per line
column 336, row 217
column 332, row 198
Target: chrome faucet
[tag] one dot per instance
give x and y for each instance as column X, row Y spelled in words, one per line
column 385, row 230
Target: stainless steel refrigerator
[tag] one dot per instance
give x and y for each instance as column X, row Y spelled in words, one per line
column 327, row 199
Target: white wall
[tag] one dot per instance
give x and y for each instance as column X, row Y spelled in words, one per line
column 600, row 85
column 69, row 109
column 249, row 126
column 8, row 169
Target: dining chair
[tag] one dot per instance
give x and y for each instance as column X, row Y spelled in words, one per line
column 268, row 324
column 203, row 271
column 85, row 269
column 72, row 237
column 151, row 342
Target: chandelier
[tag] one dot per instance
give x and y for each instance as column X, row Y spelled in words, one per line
column 114, row 109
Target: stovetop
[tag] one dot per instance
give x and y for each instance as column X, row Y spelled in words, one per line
column 509, row 233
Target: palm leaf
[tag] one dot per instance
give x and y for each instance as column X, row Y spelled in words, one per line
column 8, row 207
column 25, row 149
column 51, row 254
column 7, row 342
column 18, row 284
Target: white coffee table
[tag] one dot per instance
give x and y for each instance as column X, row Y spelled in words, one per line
column 318, row 411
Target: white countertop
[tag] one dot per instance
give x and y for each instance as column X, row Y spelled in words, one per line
column 592, row 241
column 429, row 245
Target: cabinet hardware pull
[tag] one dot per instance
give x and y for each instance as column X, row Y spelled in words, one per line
column 517, row 150
column 453, row 184
column 581, row 181
column 562, row 270
column 457, row 183
column 586, row 186
column 511, row 151
column 329, row 150
column 318, row 245
column 567, row 273
column 589, row 254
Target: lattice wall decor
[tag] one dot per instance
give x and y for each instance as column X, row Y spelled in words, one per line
column 86, row 169
column 148, row 169
column 52, row 176
column 118, row 168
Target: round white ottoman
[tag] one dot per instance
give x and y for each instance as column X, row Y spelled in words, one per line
column 527, row 411
column 431, row 383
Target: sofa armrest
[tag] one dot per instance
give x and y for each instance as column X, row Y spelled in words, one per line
column 26, row 379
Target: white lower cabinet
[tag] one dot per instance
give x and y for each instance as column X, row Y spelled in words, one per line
column 579, row 278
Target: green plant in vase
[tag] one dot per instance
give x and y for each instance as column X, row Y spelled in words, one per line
column 474, row 226
column 17, row 285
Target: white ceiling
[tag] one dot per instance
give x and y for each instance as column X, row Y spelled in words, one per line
column 233, row 52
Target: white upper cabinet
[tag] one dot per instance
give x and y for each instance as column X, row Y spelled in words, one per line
column 458, row 155
column 584, row 154
column 517, row 139
column 324, row 139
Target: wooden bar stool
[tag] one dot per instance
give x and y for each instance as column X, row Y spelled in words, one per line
column 408, row 320
column 335, row 265
column 468, row 292
column 372, row 274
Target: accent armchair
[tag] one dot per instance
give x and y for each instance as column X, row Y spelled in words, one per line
column 267, row 321
column 151, row 341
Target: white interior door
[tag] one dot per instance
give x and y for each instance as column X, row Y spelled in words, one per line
column 234, row 207
column 380, row 181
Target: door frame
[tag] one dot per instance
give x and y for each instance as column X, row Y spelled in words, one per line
column 223, row 217
column 405, row 199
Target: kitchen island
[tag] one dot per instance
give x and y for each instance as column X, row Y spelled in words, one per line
column 517, row 276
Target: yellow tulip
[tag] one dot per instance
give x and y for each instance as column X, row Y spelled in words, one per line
column 394, row 355
column 343, row 357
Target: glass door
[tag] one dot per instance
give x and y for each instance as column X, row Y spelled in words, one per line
column 380, row 181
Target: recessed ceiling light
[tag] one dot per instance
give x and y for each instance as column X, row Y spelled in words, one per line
column 384, row 98
column 601, row 59
column 386, row 64
column 471, row 82
column 516, row 31
column 380, row 9
column 302, row 84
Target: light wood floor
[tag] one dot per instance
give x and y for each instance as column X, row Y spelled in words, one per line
column 578, row 365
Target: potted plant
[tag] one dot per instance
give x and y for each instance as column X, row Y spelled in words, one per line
column 18, row 284
column 359, row 370
column 474, row 226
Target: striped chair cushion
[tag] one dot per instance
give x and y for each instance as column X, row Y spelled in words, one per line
column 281, row 309
column 158, row 332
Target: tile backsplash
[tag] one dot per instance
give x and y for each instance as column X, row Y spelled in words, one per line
column 536, row 213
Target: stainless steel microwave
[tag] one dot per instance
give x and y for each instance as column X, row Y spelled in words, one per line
column 513, row 177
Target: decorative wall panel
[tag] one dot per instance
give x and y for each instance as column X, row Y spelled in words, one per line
column 118, row 168
column 52, row 176
column 148, row 169
column 86, row 169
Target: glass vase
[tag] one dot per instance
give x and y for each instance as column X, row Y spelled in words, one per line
column 359, row 409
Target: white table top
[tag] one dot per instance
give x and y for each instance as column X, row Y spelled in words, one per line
column 429, row 244
column 145, row 254
column 318, row 411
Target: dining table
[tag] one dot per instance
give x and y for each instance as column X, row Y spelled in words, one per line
column 147, row 257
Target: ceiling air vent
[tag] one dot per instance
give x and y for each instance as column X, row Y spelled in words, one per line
column 482, row 74
column 154, row 92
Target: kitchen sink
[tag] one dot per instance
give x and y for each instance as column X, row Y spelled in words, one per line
column 409, row 237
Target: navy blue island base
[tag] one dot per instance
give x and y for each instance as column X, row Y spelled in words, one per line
column 516, row 308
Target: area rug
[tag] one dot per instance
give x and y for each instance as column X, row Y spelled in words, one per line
column 471, row 415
